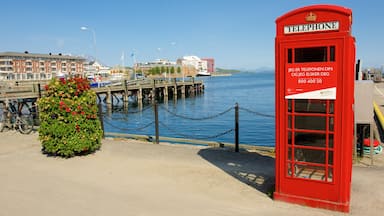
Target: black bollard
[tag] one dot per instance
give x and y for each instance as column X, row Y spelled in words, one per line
column 237, row 127
column 156, row 122
column 101, row 119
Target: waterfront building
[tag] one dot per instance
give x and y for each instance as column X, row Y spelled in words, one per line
column 157, row 62
column 187, row 66
column 210, row 64
column 159, row 67
column 32, row 66
column 201, row 66
column 94, row 68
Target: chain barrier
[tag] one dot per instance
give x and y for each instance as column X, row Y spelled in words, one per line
column 196, row 136
column 124, row 117
column 257, row 113
column 196, row 119
column 128, row 129
column 140, row 111
column 156, row 123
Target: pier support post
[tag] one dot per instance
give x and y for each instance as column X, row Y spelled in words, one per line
column 183, row 91
column 192, row 90
column 140, row 96
column 126, row 93
column 153, row 91
column 175, row 91
column 165, row 92
column 125, row 98
column 109, row 99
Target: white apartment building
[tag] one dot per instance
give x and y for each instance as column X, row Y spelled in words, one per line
column 93, row 68
column 30, row 66
column 201, row 66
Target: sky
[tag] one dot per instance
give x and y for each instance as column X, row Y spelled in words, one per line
column 238, row 34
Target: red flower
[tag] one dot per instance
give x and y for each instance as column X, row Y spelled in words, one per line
column 46, row 87
column 68, row 109
column 74, row 113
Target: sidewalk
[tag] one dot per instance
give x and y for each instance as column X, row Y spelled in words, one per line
column 129, row 177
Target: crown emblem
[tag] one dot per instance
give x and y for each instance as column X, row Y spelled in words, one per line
column 311, row 17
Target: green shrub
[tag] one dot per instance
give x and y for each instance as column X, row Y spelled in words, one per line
column 69, row 124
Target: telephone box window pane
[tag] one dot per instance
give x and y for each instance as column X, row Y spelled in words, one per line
column 310, row 139
column 289, row 55
column 309, row 172
column 289, row 138
column 311, row 54
column 289, row 105
column 330, row 175
column 289, row 169
column 330, row 157
column 289, row 153
column 331, row 106
column 310, row 156
column 332, row 53
column 290, row 122
column 330, row 141
column 310, row 106
column 331, row 123
column 310, row 122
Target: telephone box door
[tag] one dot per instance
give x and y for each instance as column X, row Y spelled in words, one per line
column 310, row 152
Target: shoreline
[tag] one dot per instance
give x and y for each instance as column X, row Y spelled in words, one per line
column 267, row 150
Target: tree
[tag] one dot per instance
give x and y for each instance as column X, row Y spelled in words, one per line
column 157, row 70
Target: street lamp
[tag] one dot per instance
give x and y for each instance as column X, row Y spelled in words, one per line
column 84, row 28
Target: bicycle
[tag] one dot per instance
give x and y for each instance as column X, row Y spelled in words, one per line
column 16, row 118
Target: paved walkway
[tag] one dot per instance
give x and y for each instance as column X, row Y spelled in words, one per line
column 129, row 177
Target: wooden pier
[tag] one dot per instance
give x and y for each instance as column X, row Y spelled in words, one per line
column 125, row 91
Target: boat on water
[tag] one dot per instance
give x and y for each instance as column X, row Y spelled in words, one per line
column 97, row 81
column 203, row 73
column 99, row 84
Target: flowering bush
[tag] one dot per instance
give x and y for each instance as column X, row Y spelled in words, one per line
column 68, row 118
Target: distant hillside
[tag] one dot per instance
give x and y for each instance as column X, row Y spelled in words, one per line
column 226, row 71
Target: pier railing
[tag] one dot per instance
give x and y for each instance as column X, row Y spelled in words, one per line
column 32, row 90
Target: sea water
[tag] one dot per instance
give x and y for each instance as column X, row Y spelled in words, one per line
column 210, row 115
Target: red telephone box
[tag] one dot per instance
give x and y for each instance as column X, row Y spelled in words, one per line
column 315, row 60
